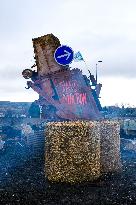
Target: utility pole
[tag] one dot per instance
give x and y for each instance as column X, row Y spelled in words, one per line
column 96, row 71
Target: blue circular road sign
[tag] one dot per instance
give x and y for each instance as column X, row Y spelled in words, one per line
column 64, row 55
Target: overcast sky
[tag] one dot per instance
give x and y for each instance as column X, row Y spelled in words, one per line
column 101, row 29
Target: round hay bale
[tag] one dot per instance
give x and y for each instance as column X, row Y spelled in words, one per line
column 72, row 151
column 109, row 146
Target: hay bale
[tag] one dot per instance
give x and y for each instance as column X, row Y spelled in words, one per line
column 72, row 151
column 44, row 48
column 109, row 146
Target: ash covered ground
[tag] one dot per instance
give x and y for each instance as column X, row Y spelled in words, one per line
column 22, row 181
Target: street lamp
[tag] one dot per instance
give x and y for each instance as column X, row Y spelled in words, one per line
column 96, row 70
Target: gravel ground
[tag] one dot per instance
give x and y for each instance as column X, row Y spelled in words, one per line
column 22, row 181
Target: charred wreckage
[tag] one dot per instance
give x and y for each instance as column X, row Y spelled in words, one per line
column 64, row 93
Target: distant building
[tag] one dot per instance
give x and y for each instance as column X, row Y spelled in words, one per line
column 14, row 109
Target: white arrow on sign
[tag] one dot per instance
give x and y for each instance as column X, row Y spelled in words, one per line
column 64, row 55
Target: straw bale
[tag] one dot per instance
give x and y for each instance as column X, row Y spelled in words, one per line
column 81, row 150
column 109, row 146
column 72, row 151
column 44, row 48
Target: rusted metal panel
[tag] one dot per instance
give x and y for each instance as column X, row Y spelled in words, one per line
column 75, row 100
